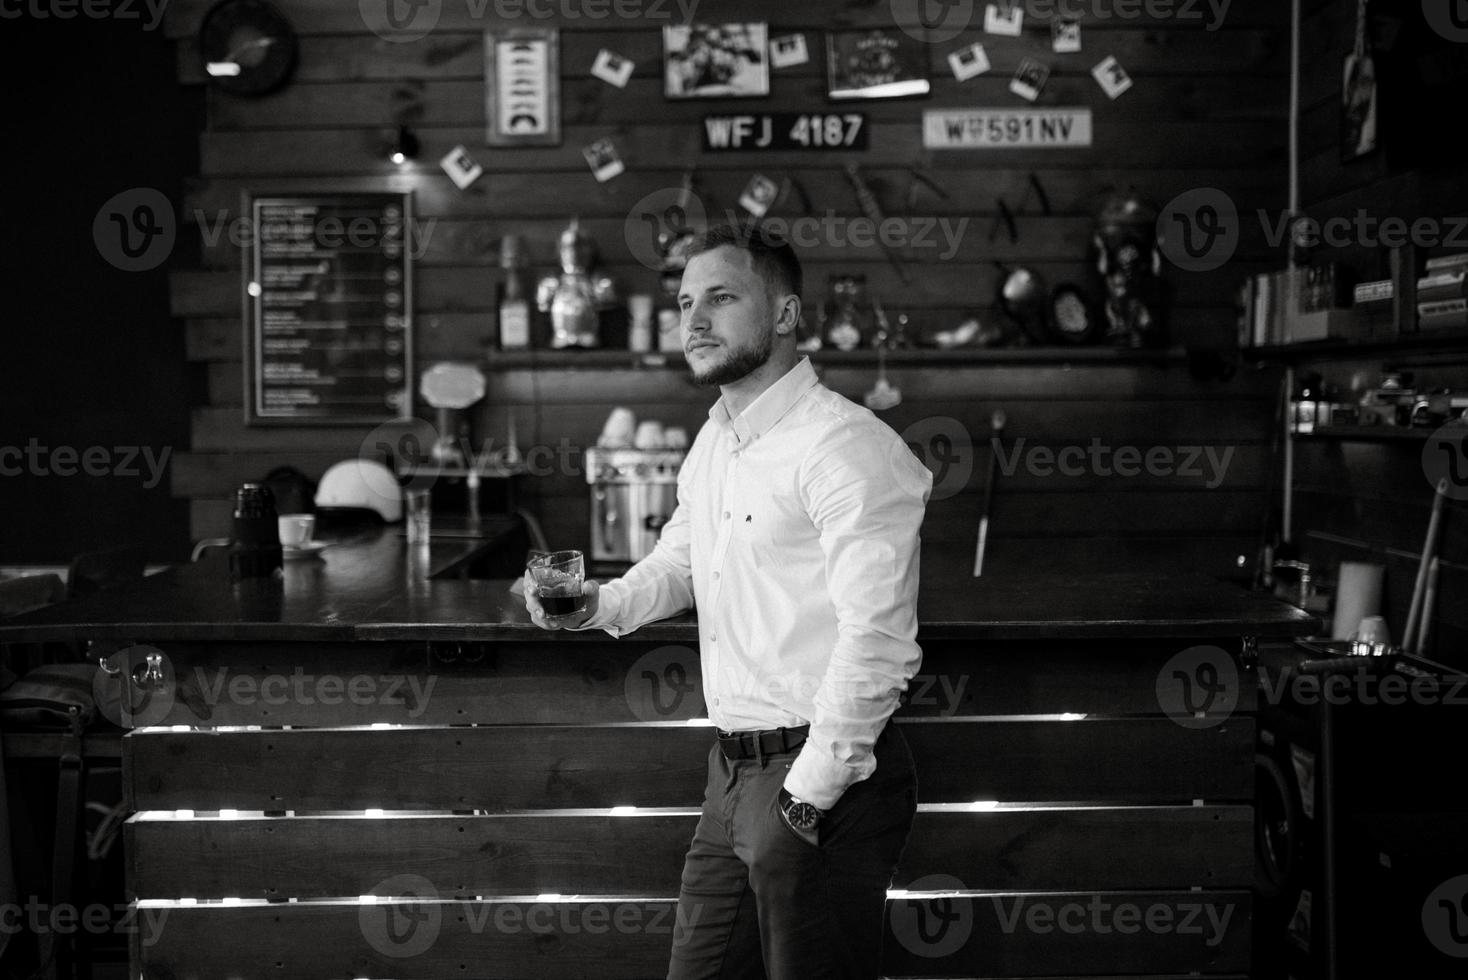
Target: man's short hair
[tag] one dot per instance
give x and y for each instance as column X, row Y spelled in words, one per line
column 771, row 256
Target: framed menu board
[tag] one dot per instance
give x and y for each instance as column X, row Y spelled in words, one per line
column 328, row 302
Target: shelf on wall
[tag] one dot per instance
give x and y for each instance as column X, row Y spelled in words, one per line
column 621, row 359
column 1369, row 433
column 1404, row 344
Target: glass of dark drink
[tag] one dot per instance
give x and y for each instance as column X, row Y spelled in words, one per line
column 558, row 576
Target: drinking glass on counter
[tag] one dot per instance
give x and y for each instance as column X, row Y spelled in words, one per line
column 420, row 515
column 557, row 577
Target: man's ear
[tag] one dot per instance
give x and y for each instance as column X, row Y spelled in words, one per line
column 788, row 318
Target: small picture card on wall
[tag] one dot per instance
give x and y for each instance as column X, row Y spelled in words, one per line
column 612, row 68
column 1006, row 18
column 969, row 62
column 1065, row 35
column 462, row 168
column 875, row 64
column 1029, row 79
column 1112, row 77
column 522, row 97
column 758, row 195
column 788, row 50
column 603, row 159
column 716, row 60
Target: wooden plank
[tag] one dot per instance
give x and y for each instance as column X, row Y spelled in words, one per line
column 574, row 852
column 940, row 286
column 508, row 767
column 1034, row 933
column 562, row 383
column 1122, row 143
column 840, row 235
column 1400, row 525
column 972, row 189
column 1249, row 467
column 310, row 685
column 557, row 441
column 352, row 54
column 470, row 336
column 183, row 18
column 947, row 553
column 1106, row 513
column 587, row 100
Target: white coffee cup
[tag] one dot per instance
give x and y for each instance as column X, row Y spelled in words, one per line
column 649, row 435
column 296, row 529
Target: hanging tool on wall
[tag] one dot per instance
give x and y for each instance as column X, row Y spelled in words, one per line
column 792, row 185
column 996, row 423
column 1033, row 187
column 1008, row 217
column 918, row 178
column 873, row 211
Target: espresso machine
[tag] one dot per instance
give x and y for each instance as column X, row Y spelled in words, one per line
column 633, row 494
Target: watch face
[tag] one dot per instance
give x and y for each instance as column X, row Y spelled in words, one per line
column 803, row 815
column 248, row 47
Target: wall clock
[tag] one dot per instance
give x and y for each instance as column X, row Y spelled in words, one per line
column 248, row 47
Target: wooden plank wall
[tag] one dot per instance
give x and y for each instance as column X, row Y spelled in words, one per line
column 1207, row 110
column 471, row 788
column 1371, row 500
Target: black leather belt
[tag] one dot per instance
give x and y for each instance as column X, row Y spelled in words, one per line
column 757, row 745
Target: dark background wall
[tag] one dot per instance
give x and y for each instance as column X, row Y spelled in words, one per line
column 1208, row 110
column 90, row 356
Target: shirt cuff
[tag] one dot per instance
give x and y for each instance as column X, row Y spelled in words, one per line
column 821, row 782
column 608, row 610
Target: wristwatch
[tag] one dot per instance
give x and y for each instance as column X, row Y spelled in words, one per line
column 803, row 816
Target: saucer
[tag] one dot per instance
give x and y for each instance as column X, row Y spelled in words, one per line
column 302, row 551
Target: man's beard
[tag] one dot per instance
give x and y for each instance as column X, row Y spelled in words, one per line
column 736, row 364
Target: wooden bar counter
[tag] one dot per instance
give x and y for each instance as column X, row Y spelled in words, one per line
column 376, row 769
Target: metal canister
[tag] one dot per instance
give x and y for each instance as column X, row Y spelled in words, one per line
column 255, row 549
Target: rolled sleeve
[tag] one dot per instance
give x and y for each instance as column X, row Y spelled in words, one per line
column 659, row 586
column 867, row 502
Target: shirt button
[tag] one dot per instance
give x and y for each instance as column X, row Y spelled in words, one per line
column 713, row 638
column 726, row 515
column 716, row 702
column 716, row 574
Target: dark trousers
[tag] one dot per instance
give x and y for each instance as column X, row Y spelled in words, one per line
column 757, row 901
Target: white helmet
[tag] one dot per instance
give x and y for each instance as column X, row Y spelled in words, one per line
column 361, row 484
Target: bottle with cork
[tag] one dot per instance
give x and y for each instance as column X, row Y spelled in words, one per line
column 514, row 301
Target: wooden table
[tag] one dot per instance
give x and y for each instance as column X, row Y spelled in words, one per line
column 520, row 801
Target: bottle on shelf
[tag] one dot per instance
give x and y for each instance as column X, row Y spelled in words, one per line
column 639, row 308
column 514, row 303
column 849, row 322
column 667, row 316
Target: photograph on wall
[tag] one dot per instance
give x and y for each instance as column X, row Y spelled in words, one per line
column 1358, row 105
column 716, row 61
column 875, row 64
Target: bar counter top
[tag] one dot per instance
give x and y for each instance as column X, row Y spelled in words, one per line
column 375, row 586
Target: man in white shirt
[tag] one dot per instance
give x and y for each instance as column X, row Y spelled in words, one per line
column 796, row 537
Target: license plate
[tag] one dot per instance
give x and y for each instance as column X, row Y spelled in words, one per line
column 990, row 129
column 786, row 131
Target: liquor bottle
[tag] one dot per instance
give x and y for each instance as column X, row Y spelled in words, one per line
column 667, row 315
column 514, row 306
column 255, row 550
column 849, row 322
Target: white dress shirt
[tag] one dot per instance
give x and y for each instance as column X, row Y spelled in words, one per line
column 796, row 537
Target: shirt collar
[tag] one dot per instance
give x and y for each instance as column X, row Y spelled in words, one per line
column 769, row 407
